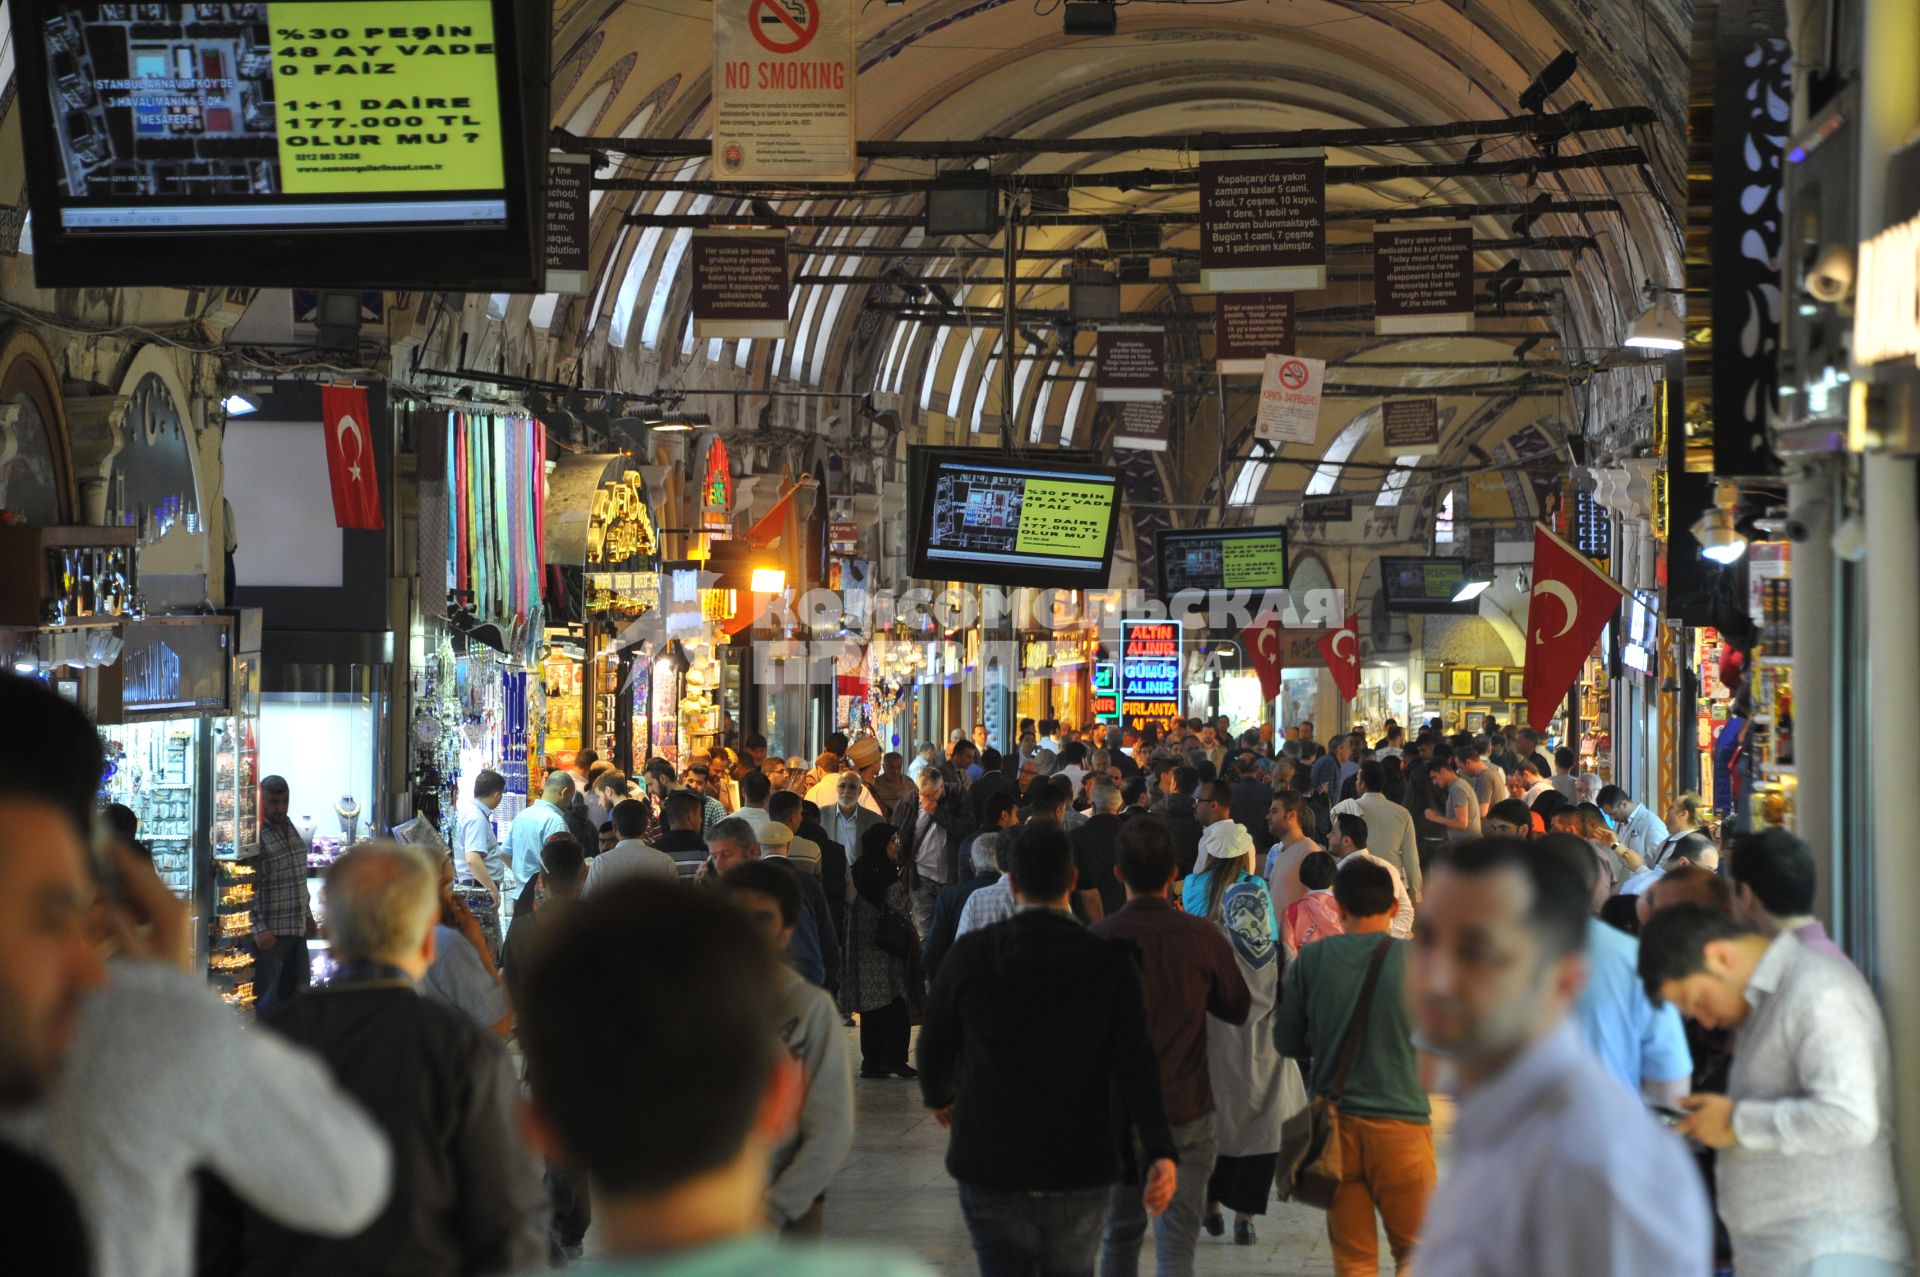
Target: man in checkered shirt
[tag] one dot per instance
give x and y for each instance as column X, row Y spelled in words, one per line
column 281, row 919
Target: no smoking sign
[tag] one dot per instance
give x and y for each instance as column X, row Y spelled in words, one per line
column 1293, row 374
column 784, row 26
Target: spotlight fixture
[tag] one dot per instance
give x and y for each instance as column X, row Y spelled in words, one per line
column 1657, row 328
column 1720, row 542
column 238, row 405
column 1090, row 17
column 1551, row 77
column 1472, row 589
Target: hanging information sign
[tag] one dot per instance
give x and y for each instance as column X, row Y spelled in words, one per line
column 1130, row 365
column 1423, row 279
column 1410, row 427
column 1290, row 399
column 568, row 177
column 740, row 284
column 783, row 79
column 1146, row 426
column 1247, row 327
column 1263, row 220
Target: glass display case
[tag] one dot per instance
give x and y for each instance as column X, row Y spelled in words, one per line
column 154, row 769
column 236, row 824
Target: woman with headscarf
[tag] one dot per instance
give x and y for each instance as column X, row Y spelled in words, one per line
column 876, row 984
column 1256, row 1091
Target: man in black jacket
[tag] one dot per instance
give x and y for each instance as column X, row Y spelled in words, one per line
column 1034, row 1053
column 467, row 1196
column 984, row 861
column 993, row 780
column 1183, row 822
column 1099, row 893
column 834, row 859
column 932, row 831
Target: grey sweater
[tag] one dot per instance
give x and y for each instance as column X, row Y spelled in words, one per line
column 164, row 1079
column 810, row 1158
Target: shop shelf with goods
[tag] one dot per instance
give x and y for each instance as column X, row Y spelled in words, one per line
column 230, row 961
column 154, row 769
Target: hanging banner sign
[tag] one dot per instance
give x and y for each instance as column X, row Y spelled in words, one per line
column 568, row 177
column 783, row 77
column 1263, row 220
column 1146, row 426
column 1150, row 673
column 1410, row 427
column 1423, row 279
column 1130, row 365
column 843, row 538
column 1327, row 509
column 740, row 284
column 1290, row 399
column 1247, row 327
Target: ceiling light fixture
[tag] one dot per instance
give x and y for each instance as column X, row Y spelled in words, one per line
column 1720, row 542
column 1658, row 327
column 238, row 405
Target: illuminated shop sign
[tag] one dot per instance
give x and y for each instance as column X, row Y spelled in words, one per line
column 1150, row 672
column 1885, row 323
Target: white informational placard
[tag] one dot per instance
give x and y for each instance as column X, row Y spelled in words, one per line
column 783, row 81
column 1290, row 399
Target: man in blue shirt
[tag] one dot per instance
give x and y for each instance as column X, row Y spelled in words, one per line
column 542, row 819
column 1644, row 1046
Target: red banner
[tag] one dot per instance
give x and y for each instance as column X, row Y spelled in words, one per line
column 1267, row 654
column 1341, row 651
column 1572, row 602
column 350, row 458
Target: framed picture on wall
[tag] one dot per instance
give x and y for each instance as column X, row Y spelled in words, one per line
column 1435, row 685
column 1516, row 685
column 1488, row 688
column 1476, row 719
column 1460, row 683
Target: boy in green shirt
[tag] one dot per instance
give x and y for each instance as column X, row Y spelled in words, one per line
column 654, row 1057
column 1386, row 1132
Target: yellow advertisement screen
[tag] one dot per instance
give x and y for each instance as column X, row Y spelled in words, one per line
column 374, row 98
column 1062, row 517
column 1253, row 563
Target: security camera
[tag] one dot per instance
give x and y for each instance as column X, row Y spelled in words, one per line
column 1831, row 279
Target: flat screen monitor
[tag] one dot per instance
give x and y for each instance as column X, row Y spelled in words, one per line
column 1235, row 559
column 997, row 520
column 300, row 143
column 1424, row 585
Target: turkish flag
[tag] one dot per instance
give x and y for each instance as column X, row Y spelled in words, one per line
column 1261, row 643
column 1572, row 602
column 350, row 452
column 1341, row 651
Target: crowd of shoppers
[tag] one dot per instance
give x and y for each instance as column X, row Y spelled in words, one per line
column 1160, row 982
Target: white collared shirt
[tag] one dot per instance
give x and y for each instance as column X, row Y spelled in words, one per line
column 1812, row 1090
column 1402, row 925
column 1549, row 1173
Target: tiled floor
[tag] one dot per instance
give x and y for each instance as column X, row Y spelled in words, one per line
column 895, row 1192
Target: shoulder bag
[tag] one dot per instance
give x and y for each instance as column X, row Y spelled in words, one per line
column 1316, row 1177
column 893, row 933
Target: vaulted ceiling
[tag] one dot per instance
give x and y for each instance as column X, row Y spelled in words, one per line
column 968, row 69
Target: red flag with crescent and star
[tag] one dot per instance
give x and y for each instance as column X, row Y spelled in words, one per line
column 350, row 453
column 1341, row 651
column 1572, row 602
column 1262, row 644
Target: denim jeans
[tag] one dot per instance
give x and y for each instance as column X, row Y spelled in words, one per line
column 280, row 973
column 1177, row 1231
column 1018, row 1234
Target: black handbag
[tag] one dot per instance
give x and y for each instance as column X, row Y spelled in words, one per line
column 894, row 933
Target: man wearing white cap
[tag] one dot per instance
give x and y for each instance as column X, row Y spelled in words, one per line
column 863, row 759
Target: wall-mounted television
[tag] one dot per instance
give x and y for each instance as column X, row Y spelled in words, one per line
column 991, row 519
column 1229, row 559
column 1424, row 585
column 348, row 143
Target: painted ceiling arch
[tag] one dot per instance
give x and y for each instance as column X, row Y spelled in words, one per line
column 960, row 69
